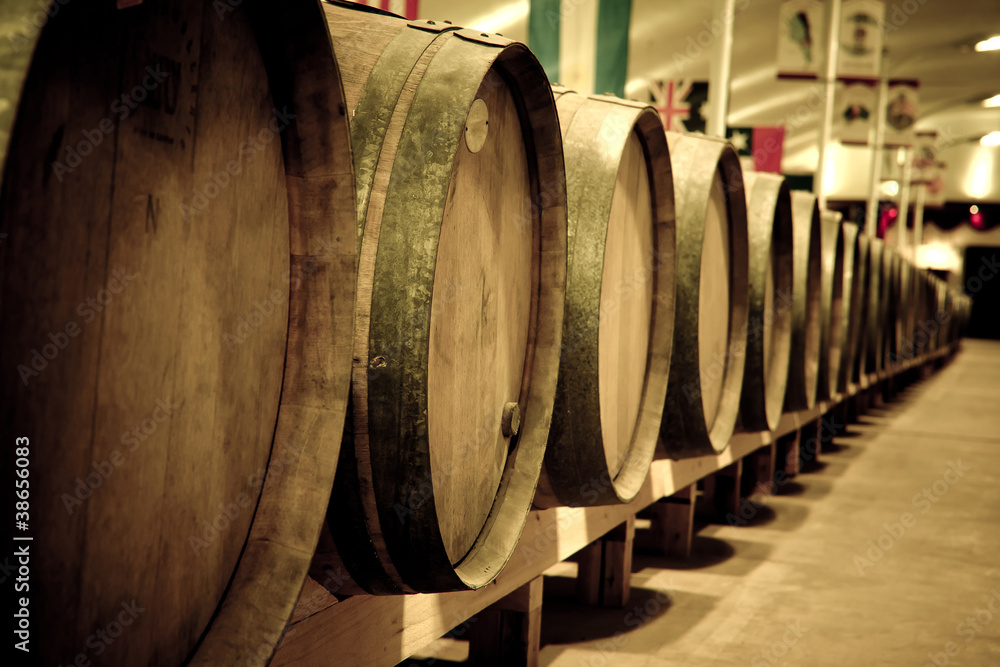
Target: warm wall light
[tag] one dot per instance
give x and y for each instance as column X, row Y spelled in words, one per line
column 992, row 102
column 990, row 44
column 991, row 139
column 979, row 179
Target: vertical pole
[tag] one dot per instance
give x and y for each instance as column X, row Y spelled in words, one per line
column 871, row 218
column 720, row 73
column 829, row 89
column 918, row 219
column 904, row 202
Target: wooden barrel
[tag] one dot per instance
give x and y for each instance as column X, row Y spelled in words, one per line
column 461, row 288
column 860, row 295
column 853, row 310
column 710, row 325
column 803, row 369
column 922, row 312
column 907, row 312
column 875, row 320
column 618, row 326
column 831, row 305
column 769, row 330
column 177, row 307
column 892, row 307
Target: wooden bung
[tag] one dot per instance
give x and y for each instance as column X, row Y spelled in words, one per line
column 177, row 306
column 618, row 328
column 769, row 223
column 831, row 305
column 461, row 225
column 803, row 370
column 710, row 325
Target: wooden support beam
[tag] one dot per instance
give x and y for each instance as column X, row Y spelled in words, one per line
column 810, row 444
column 759, row 471
column 508, row 632
column 721, row 495
column 672, row 524
column 788, row 454
column 605, row 568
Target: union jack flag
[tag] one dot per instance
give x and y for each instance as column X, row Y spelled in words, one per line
column 679, row 104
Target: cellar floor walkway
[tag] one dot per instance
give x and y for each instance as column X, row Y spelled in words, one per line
column 887, row 554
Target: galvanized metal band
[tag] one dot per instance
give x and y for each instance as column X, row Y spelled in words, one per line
column 594, row 139
column 377, row 105
column 764, row 379
column 402, row 287
column 684, row 428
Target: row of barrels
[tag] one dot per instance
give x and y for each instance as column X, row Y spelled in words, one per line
column 267, row 312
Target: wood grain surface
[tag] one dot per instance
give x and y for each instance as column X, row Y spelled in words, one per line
column 158, row 220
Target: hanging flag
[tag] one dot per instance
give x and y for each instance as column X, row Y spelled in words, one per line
column 925, row 157
column 405, row 8
column 861, row 32
column 901, row 112
column 759, row 148
column 855, row 109
column 594, row 59
column 680, row 104
column 801, row 31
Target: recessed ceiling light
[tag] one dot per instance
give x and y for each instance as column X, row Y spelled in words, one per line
column 989, row 44
column 992, row 102
column 991, row 139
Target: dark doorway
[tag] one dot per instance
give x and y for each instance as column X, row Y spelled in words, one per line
column 982, row 283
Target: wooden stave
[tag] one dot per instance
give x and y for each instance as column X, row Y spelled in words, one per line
column 832, row 305
column 803, row 372
column 684, row 432
column 259, row 594
column 769, row 220
column 575, row 472
column 852, row 306
column 411, row 557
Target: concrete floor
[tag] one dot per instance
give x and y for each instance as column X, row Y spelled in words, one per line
column 887, row 553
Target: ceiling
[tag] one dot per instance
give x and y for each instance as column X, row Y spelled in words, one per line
column 931, row 44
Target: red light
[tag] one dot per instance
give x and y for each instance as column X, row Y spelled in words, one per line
column 977, row 220
column 893, row 213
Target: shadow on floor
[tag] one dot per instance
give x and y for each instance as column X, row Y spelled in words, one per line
column 612, row 629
